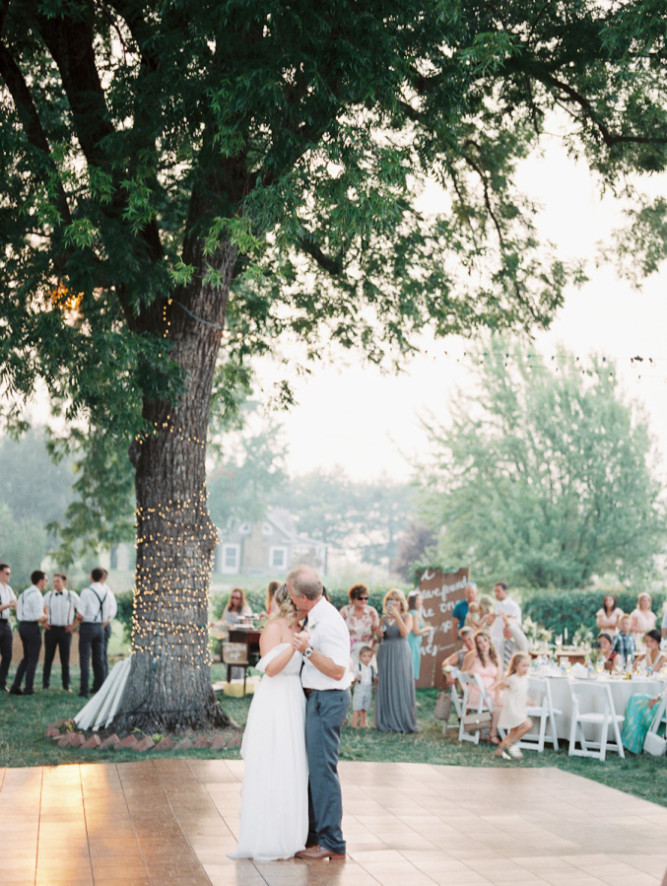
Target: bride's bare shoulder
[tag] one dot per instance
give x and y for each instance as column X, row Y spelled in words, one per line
column 276, row 631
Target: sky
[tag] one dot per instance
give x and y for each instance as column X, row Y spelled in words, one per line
column 354, row 416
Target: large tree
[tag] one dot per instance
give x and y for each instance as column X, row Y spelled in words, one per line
column 545, row 476
column 184, row 180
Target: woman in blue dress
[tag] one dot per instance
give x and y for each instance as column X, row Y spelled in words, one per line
column 639, row 715
column 418, row 629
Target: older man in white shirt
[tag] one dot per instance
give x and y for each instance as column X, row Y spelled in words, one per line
column 324, row 643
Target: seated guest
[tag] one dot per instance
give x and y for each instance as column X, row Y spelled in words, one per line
column 652, row 658
column 641, row 618
column 639, row 715
column 455, row 660
column 237, row 608
column 606, row 648
column 624, row 642
column 608, row 617
column 484, row 661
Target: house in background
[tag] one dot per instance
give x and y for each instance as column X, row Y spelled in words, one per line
column 268, row 547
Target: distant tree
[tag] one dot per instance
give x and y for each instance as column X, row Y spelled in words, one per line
column 24, row 542
column 362, row 518
column 544, row 476
column 184, row 182
column 32, row 485
column 241, row 486
column 417, row 545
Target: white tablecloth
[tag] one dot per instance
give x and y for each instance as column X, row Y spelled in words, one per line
column 621, row 692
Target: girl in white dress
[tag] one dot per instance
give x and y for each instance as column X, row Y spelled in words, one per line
column 513, row 712
column 274, row 806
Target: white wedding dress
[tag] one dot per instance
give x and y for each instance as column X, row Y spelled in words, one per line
column 274, row 805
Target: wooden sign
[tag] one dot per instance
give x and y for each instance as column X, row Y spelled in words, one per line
column 440, row 592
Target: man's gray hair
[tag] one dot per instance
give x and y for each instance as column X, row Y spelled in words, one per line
column 304, row 581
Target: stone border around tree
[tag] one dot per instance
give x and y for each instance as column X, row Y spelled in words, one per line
column 66, row 735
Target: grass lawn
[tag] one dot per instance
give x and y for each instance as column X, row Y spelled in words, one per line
column 23, row 722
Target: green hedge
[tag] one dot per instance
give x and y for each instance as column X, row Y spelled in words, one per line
column 557, row 610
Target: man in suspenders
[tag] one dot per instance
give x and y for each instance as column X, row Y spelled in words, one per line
column 30, row 613
column 91, row 615
column 60, row 607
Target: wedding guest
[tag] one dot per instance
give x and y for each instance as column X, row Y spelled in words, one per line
column 484, row 661
column 395, row 704
column 624, row 645
column 652, row 657
column 364, row 678
column 236, row 608
column 112, row 611
column 362, row 620
column 92, row 612
column 609, row 656
column 7, row 603
column 60, row 607
column 460, row 611
column 270, row 605
column 663, row 626
column 641, row 618
column 608, row 616
column 513, row 716
column 419, row 628
column 30, row 613
column 639, row 715
column 503, row 606
column 480, row 613
column 456, row 659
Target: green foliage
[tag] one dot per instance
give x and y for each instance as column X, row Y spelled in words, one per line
column 560, row 609
column 125, row 603
column 169, row 172
column 366, row 518
column 544, row 476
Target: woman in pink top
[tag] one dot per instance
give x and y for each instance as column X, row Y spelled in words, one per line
column 641, row 618
column 485, row 662
column 608, row 617
column 362, row 620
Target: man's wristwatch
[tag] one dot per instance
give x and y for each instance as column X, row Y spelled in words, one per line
column 308, row 652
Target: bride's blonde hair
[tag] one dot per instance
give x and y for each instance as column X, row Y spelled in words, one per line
column 286, row 609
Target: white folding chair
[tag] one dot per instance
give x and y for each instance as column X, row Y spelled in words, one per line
column 539, row 691
column 456, row 701
column 592, row 704
column 483, row 704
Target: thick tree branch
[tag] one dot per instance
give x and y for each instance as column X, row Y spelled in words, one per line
column 32, row 126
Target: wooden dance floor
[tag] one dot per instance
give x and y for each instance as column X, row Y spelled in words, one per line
column 174, row 821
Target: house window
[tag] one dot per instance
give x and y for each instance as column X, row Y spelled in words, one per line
column 245, row 528
column 231, row 557
column 277, row 557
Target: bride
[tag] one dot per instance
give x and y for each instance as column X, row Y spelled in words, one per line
column 274, row 805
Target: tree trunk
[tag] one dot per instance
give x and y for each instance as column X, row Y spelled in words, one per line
column 169, row 686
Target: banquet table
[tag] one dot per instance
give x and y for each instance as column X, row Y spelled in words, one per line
column 622, row 691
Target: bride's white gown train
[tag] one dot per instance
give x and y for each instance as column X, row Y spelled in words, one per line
column 274, row 805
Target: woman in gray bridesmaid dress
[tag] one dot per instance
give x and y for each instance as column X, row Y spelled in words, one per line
column 395, row 704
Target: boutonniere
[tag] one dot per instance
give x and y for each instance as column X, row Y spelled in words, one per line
column 312, row 625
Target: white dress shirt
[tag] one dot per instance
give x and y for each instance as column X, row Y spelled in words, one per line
column 89, row 604
column 328, row 635
column 503, row 607
column 7, row 595
column 30, row 606
column 113, row 606
column 60, row 607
